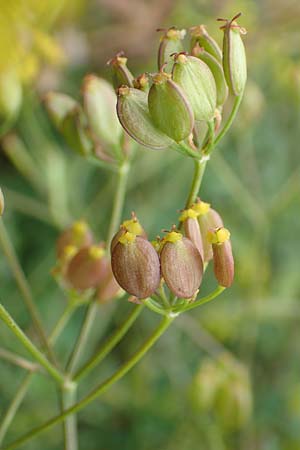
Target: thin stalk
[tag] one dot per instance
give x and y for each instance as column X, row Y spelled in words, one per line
column 93, row 395
column 14, row 405
column 32, row 349
column 203, row 300
column 109, row 344
column 64, row 318
column 70, row 423
column 19, row 361
column 227, row 125
column 196, row 183
column 23, row 286
column 152, row 306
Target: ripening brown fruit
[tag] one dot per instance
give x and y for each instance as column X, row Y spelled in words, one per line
column 135, row 265
column 210, row 220
column 78, row 235
column 86, row 268
column 192, row 228
column 108, row 288
column 222, row 256
column 133, row 226
column 181, row 265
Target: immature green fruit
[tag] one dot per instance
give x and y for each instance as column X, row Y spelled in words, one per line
column 198, row 84
column 121, row 73
column 192, row 229
column 133, row 113
column 100, row 107
column 234, row 56
column 170, row 42
column 86, row 269
column 2, row 203
column 200, row 36
column 135, row 265
column 169, row 108
column 142, row 82
column 78, row 235
column 222, row 255
column 181, row 265
column 217, row 71
column 10, row 95
column 58, row 106
column 208, row 219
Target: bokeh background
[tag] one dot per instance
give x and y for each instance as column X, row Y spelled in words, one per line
column 249, row 337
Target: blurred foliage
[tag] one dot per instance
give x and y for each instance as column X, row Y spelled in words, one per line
column 254, row 181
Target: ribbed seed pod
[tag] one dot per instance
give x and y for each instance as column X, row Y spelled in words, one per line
column 135, row 265
column 100, row 107
column 120, row 72
column 222, row 255
column 200, row 35
column 86, row 268
column 198, row 84
column 169, row 108
column 192, row 229
column 181, row 265
column 2, row 203
column 217, row 71
column 133, row 113
column 108, row 288
column 133, row 226
column 170, row 42
column 207, row 220
column 142, row 82
column 234, row 56
column 78, row 235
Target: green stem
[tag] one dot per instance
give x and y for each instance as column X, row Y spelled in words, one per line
column 14, row 405
column 23, row 286
column 196, row 183
column 32, row 349
column 164, row 324
column 203, row 300
column 64, row 318
column 236, row 105
column 70, row 423
column 152, row 306
column 83, row 336
column 109, row 344
column 19, row 361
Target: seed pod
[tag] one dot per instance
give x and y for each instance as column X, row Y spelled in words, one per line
column 169, row 108
column 170, row 42
column 133, row 226
column 78, row 235
column 74, row 130
column 2, row 203
column 135, row 264
column 142, row 82
column 10, row 94
column 234, row 56
column 216, row 69
column 181, row 265
column 58, row 106
column 207, row 220
column 86, row 268
column 133, row 113
column 197, row 82
column 121, row 73
column 200, row 36
column 192, row 228
column 108, row 288
column 222, row 255
column 100, row 108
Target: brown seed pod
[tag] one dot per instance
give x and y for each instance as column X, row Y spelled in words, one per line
column 133, row 226
column 86, row 268
column 108, row 288
column 222, row 255
column 78, row 235
column 192, row 228
column 181, row 265
column 135, row 264
column 211, row 219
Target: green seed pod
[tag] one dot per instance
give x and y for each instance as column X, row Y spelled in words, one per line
column 2, row 203
column 170, row 42
column 192, row 229
column 234, row 56
column 108, row 288
column 133, row 113
column 198, row 84
column 217, row 71
column 10, row 95
column 121, row 73
column 181, row 265
column 133, row 226
column 142, row 82
column 208, row 219
column 200, row 36
column 135, row 265
column 169, row 108
column 222, row 255
column 78, row 235
column 58, row 106
column 100, row 107
column 86, row 269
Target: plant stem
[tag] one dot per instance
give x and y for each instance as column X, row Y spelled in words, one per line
column 19, row 361
column 23, row 286
column 196, row 183
column 123, row 370
column 236, row 105
column 118, row 201
column 204, row 300
column 70, row 423
column 14, row 405
column 109, row 344
column 64, row 318
column 83, row 336
column 33, row 350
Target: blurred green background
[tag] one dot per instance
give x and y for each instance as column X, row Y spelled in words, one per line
column 249, row 337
